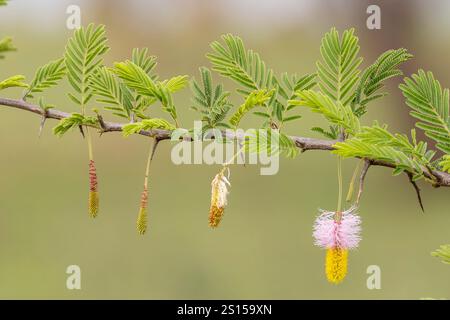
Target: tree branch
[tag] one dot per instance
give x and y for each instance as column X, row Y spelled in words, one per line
column 439, row 178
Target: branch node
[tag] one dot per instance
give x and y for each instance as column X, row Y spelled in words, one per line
column 103, row 126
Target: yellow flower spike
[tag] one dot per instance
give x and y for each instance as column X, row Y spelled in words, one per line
column 219, row 192
column 141, row 224
column 336, row 265
column 93, row 190
column 93, row 203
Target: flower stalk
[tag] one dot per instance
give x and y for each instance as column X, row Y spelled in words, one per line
column 142, row 219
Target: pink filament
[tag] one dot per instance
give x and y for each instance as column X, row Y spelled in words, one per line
column 344, row 234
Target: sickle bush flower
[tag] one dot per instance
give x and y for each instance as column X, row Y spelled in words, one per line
column 93, row 191
column 337, row 232
column 219, row 192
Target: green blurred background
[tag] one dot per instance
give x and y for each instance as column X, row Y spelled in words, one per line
column 263, row 248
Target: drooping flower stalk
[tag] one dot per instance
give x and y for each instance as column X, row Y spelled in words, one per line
column 93, row 202
column 219, row 192
column 339, row 173
column 351, row 186
column 337, row 232
column 142, row 219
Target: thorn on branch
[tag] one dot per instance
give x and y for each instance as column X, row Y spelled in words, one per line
column 155, row 145
column 41, row 126
column 362, row 178
column 81, row 130
column 417, row 189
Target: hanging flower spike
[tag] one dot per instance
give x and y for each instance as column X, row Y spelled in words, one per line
column 93, row 193
column 336, row 265
column 141, row 223
column 337, row 232
column 219, row 192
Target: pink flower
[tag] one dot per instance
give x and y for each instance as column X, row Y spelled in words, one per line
column 334, row 231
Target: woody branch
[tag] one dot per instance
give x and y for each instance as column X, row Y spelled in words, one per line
column 439, row 178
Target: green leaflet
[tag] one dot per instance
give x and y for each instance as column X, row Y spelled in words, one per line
column 137, row 79
column 146, row 124
column 6, row 45
column 75, row 120
column 336, row 113
column 271, row 142
column 46, row 76
column 112, row 92
column 332, row 133
column 443, row 253
column 83, row 56
column 377, row 143
column 212, row 102
column 430, row 105
column 142, row 59
column 243, row 66
column 338, row 71
column 371, row 80
column 295, row 84
column 445, row 163
column 255, row 98
column 12, row 82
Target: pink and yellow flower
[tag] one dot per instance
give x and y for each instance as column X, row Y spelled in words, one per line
column 337, row 232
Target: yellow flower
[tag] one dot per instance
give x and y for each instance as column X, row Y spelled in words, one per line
column 219, row 192
column 336, row 264
column 141, row 223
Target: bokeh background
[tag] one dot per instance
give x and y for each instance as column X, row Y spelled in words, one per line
column 264, row 248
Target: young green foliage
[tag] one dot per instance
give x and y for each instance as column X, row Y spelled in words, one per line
column 335, row 112
column 377, row 143
column 138, row 79
column 295, row 84
column 443, row 253
column 373, row 77
column 112, row 92
column 6, row 45
column 83, row 56
column 13, row 82
column 46, row 76
column 271, row 142
column 243, row 66
column 254, row 99
column 146, row 124
column 146, row 62
column 248, row 70
column 75, row 120
column 331, row 133
column 141, row 58
column 212, row 102
column 430, row 105
column 338, row 71
column 445, row 163
column 292, row 84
